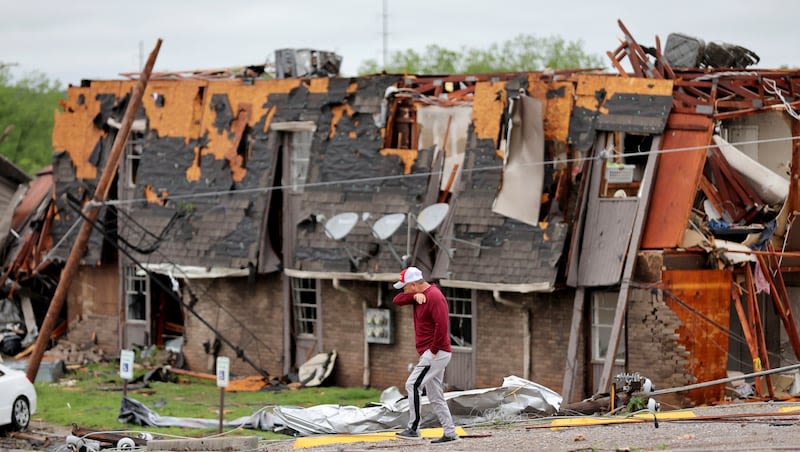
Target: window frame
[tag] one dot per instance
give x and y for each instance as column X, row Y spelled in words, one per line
column 136, row 285
column 459, row 301
column 305, row 325
column 299, row 157
column 605, row 301
column 134, row 148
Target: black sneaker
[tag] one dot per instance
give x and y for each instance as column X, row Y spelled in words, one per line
column 445, row 439
column 408, row 434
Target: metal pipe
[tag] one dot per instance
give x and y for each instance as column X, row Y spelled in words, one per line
column 724, row 380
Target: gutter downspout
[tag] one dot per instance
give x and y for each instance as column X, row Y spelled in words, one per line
column 526, row 335
column 337, row 286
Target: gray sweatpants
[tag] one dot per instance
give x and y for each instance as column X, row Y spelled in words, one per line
column 429, row 374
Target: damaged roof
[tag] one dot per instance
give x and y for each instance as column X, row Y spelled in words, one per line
column 244, row 173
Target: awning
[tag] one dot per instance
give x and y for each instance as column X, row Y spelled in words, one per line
column 194, row 272
column 382, row 277
column 544, row 286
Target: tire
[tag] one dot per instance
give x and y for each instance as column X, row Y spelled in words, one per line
column 20, row 414
column 126, row 444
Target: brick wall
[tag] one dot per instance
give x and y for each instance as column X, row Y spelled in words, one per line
column 93, row 306
column 498, row 342
column 343, row 330
column 250, row 314
column 551, row 318
column 389, row 363
column 653, row 349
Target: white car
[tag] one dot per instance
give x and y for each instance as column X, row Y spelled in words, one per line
column 17, row 398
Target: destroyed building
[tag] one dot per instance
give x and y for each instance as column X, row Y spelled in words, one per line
column 563, row 213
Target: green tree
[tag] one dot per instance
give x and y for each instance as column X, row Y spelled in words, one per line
column 522, row 53
column 26, row 118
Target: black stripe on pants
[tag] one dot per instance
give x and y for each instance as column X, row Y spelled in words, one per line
column 417, row 384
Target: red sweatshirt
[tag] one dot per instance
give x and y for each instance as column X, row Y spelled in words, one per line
column 431, row 320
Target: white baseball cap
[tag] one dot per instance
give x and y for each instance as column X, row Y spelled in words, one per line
column 408, row 275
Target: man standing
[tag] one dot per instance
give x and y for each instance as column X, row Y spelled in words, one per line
column 431, row 325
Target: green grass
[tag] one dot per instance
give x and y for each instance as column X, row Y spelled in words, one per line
column 91, row 398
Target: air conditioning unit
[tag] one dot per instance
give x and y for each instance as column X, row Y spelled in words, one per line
column 378, row 326
column 306, row 63
column 619, row 173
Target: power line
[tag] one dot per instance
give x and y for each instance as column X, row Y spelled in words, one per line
column 189, row 306
column 602, row 154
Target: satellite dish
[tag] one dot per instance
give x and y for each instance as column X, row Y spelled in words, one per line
column 387, row 225
column 340, row 225
column 432, row 216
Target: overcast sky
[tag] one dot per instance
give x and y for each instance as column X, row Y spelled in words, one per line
column 94, row 39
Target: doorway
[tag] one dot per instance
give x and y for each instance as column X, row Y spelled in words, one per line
column 153, row 315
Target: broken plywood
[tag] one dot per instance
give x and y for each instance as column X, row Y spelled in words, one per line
column 612, row 103
column 488, row 105
column 74, row 131
column 677, row 179
column 175, row 109
column 557, row 98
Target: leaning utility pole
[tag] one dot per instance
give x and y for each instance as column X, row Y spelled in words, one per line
column 92, row 210
column 385, row 34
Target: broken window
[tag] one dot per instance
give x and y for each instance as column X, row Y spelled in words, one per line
column 297, row 145
column 304, row 304
column 133, row 153
column 135, row 294
column 604, row 306
column 401, row 124
column 460, row 306
column 461, row 310
column 625, row 162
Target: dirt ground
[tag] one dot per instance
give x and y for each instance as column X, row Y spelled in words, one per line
column 738, row 427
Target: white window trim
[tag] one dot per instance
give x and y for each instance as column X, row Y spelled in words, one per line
column 133, row 275
column 299, row 320
column 610, row 299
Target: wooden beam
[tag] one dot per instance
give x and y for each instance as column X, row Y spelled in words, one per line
column 758, row 328
column 739, row 87
column 638, row 57
column 571, row 369
column 748, row 333
column 617, row 65
column 666, row 69
column 793, row 202
column 746, row 194
column 747, row 111
column 711, row 193
column 92, row 211
column 785, row 309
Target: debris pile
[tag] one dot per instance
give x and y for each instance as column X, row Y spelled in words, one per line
column 516, row 396
column 687, row 51
column 77, row 354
